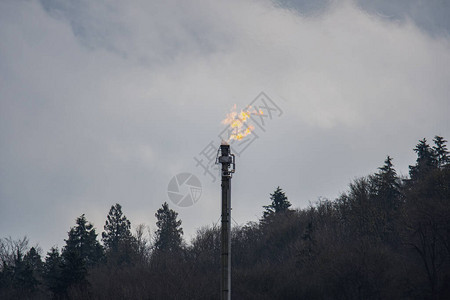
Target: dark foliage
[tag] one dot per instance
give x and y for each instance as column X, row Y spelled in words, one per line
column 119, row 243
column 384, row 238
column 279, row 204
column 169, row 232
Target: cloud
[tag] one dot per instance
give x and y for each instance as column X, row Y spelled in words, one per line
column 103, row 102
column 430, row 16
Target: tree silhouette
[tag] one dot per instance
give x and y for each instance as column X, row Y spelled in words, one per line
column 52, row 272
column 169, row 233
column 441, row 151
column 25, row 269
column 426, row 160
column 280, row 203
column 82, row 250
column 117, row 237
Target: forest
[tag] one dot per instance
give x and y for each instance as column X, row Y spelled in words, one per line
column 386, row 237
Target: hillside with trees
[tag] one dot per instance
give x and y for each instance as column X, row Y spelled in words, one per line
column 386, row 237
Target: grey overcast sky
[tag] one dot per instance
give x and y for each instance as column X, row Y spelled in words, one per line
column 102, row 102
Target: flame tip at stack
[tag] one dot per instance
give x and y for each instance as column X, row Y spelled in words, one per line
column 238, row 122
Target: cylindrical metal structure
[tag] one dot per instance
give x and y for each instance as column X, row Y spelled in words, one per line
column 226, row 159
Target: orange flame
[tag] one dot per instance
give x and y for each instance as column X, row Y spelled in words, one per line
column 237, row 122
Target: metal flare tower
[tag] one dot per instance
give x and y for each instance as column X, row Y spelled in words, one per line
column 228, row 167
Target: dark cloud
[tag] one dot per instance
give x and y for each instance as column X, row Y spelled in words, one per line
column 432, row 16
column 305, row 7
column 143, row 35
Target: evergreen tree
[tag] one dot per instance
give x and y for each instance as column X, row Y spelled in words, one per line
column 33, row 262
column 25, row 276
column 117, row 238
column 387, row 186
column 52, row 271
column 385, row 201
column 83, row 240
column 82, row 250
column 33, row 259
column 169, row 233
column 280, row 203
column 441, row 151
column 426, row 160
column 117, row 229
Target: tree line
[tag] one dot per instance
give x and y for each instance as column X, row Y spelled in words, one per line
column 386, row 237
